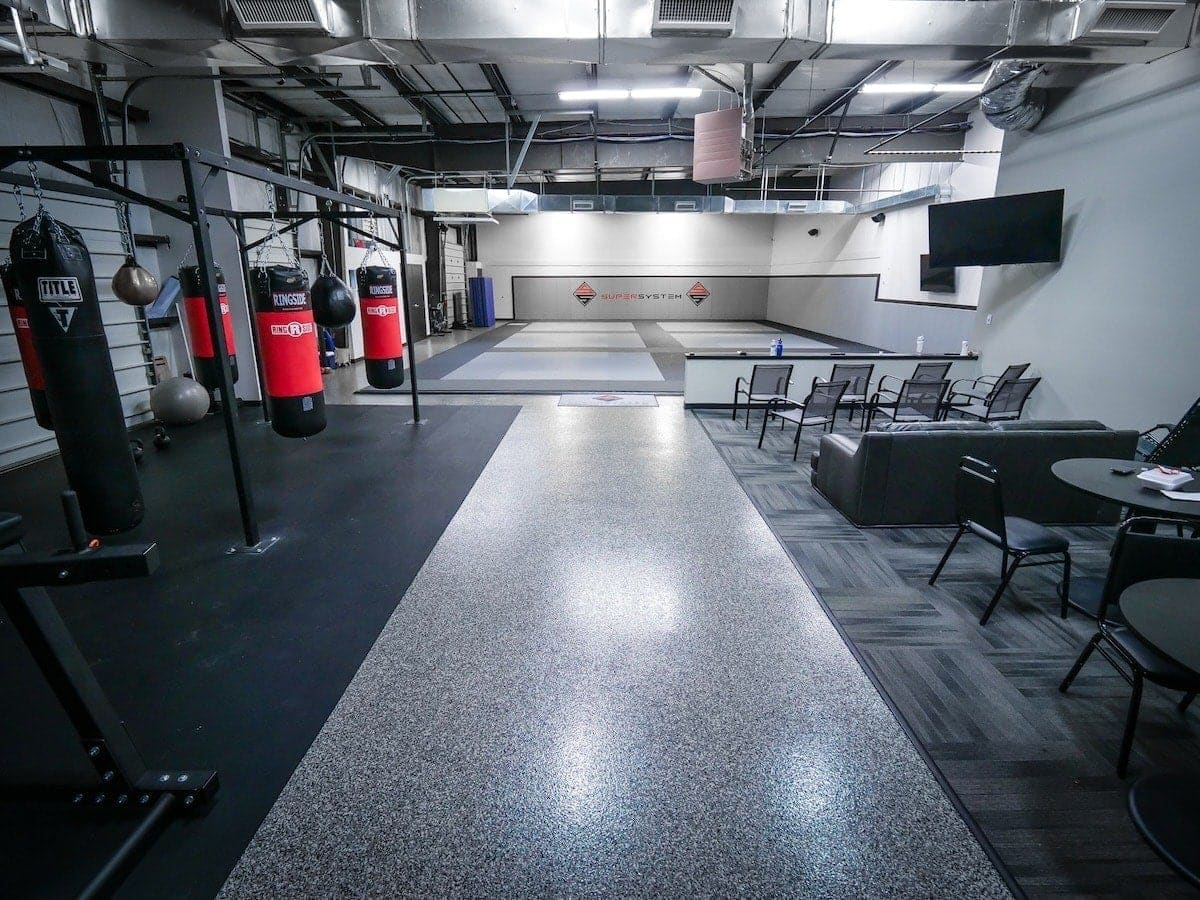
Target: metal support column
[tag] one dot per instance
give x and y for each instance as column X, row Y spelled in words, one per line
column 402, row 283
column 208, row 281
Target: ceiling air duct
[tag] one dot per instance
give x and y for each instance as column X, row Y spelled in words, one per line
column 276, row 16
column 698, row 17
column 1010, row 101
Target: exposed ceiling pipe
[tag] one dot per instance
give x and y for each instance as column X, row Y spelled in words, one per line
column 1009, row 99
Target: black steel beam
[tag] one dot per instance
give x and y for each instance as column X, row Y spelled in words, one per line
column 61, row 90
column 763, row 94
column 405, row 89
column 499, row 86
column 326, row 90
column 718, row 80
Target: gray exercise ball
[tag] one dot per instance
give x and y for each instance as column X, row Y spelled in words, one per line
column 179, row 401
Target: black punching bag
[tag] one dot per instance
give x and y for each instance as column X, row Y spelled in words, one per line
column 333, row 304
column 29, row 358
column 54, row 277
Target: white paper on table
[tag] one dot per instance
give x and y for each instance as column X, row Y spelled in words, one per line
column 1181, row 495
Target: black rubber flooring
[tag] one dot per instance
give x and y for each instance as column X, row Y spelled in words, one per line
column 223, row 662
column 1033, row 768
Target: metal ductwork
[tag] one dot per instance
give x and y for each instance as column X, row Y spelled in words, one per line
column 340, row 32
column 1010, row 101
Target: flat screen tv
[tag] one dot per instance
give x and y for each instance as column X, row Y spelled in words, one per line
column 934, row 279
column 1020, row 228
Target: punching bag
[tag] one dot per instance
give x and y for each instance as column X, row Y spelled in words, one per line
column 55, row 278
column 333, row 304
column 195, row 310
column 29, row 359
column 383, row 344
column 287, row 337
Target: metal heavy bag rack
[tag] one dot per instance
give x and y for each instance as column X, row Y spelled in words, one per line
column 196, row 165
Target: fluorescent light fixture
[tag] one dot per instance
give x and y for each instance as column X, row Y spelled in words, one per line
column 920, row 87
column 466, row 220
column 664, row 93
column 594, row 94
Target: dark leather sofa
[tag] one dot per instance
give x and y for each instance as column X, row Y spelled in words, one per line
column 904, row 474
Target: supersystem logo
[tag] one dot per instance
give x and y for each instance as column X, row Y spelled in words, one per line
column 585, row 293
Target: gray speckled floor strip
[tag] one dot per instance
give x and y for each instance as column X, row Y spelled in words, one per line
column 608, row 678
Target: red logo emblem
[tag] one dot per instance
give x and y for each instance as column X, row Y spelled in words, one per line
column 585, row 293
column 698, row 293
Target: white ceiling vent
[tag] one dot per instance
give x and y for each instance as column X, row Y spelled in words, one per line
column 1123, row 22
column 276, row 16
column 706, row 17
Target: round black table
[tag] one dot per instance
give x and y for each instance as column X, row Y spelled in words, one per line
column 1096, row 477
column 1165, row 807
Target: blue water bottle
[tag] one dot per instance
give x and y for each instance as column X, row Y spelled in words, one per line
column 777, row 347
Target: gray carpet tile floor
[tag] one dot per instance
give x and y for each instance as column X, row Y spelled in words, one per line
column 609, row 679
column 1033, row 767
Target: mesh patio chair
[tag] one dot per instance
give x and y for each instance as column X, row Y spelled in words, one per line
column 858, row 377
column 929, row 371
column 1138, row 555
column 916, row 401
column 819, row 408
column 974, row 391
column 1003, row 404
column 1178, row 445
column 979, row 508
column 767, row 382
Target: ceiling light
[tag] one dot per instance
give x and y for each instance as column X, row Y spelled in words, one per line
column 594, row 94
column 662, row 93
column 920, row 87
column 466, row 220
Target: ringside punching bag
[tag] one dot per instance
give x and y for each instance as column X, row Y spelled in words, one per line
column 55, row 278
column 383, row 343
column 29, row 358
column 195, row 310
column 287, row 338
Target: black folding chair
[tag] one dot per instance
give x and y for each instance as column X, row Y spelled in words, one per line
column 1138, row 555
column 1004, row 404
column 767, row 382
column 858, row 377
column 916, row 401
column 975, row 391
column 926, row 371
column 979, row 508
column 819, row 408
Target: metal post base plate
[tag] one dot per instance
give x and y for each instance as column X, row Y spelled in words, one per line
column 254, row 549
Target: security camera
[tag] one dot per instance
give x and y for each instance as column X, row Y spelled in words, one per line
column 878, row 218
column 813, row 232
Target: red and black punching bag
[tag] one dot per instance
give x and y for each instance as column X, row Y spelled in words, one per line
column 383, row 342
column 29, row 358
column 55, row 278
column 195, row 310
column 287, row 338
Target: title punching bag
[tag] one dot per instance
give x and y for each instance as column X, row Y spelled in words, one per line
column 287, row 338
column 55, row 278
column 29, row 359
column 195, row 310
column 383, row 344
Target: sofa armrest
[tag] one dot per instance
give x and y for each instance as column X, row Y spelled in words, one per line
column 839, row 475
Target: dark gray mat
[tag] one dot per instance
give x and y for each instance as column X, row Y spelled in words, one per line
column 1033, row 767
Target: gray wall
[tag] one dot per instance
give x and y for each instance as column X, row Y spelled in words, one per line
column 656, row 297
column 1114, row 329
column 845, row 306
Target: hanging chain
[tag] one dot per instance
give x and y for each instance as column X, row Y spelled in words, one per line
column 123, row 227
column 373, row 248
column 273, row 235
column 42, row 212
column 19, row 196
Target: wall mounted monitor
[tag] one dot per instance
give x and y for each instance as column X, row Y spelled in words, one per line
column 1020, row 228
column 935, row 279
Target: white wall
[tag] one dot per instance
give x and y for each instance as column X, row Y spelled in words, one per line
column 1114, row 329
column 583, row 244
